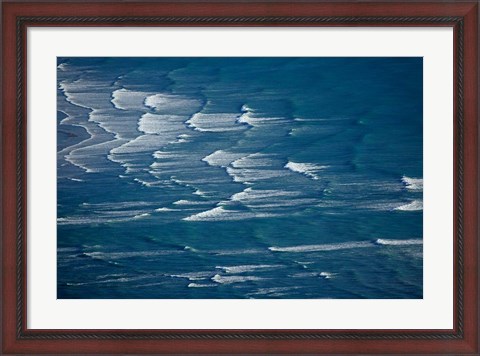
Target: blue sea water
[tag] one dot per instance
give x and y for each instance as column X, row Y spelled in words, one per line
column 239, row 178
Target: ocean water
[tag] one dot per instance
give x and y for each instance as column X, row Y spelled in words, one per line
column 239, row 178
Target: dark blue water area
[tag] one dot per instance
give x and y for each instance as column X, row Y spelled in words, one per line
column 239, row 178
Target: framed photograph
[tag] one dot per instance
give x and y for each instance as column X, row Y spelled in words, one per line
column 242, row 177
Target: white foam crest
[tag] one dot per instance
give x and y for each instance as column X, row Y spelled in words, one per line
column 100, row 148
column 91, row 158
column 200, row 193
column 415, row 205
column 327, row 275
column 160, row 131
column 212, row 214
column 194, row 276
column 399, row 242
column 246, row 268
column 75, row 179
column 412, row 183
column 78, row 162
column 162, row 154
column 162, row 210
column 179, row 182
column 309, row 169
column 173, row 104
column 324, row 275
column 87, row 93
column 215, row 122
column 269, row 198
column 144, row 182
column 256, row 167
column 68, row 121
column 221, row 214
column 66, row 86
column 122, row 124
column 234, row 279
column 141, row 144
column 246, row 108
column 183, row 138
column 161, row 124
column 323, row 247
column 124, row 99
column 248, row 117
column 140, row 216
column 62, row 67
column 260, row 121
column 198, row 285
column 222, row 158
column 190, row 248
column 304, row 120
column 249, row 195
column 190, row 202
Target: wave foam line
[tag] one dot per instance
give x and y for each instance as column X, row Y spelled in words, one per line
column 124, row 99
column 250, row 194
column 247, row 176
column 194, row 276
column 269, row 198
column 327, row 275
column 234, row 279
column 246, row 268
column 173, row 104
column 222, row 158
column 415, row 205
column 412, row 183
column 248, row 118
column 323, row 247
column 191, row 202
column 221, row 214
column 399, row 242
column 254, row 160
column 75, row 179
column 198, row 285
column 62, row 67
column 223, row 122
column 308, row 169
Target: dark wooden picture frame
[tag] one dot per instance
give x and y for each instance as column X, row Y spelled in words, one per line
column 17, row 16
